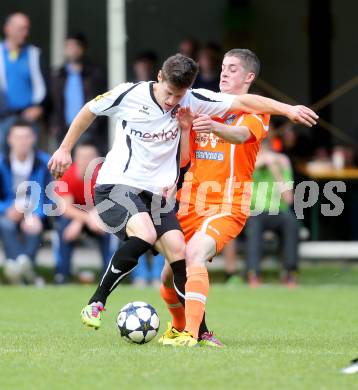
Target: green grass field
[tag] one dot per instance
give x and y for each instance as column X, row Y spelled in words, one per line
column 276, row 339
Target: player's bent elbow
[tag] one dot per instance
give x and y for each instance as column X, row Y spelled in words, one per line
column 243, row 134
column 240, row 140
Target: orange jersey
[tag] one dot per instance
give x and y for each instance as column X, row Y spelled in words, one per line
column 218, row 168
column 214, row 198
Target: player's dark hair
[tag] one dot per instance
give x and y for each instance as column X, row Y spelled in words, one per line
column 180, row 71
column 248, row 59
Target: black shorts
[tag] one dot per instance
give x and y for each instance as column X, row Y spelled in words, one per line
column 117, row 203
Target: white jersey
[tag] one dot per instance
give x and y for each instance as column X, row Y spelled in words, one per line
column 145, row 153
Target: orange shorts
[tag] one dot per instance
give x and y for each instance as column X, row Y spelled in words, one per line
column 221, row 227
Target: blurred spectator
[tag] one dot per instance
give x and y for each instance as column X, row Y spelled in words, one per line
column 22, row 85
column 189, row 47
column 209, row 60
column 71, row 86
column 145, row 67
column 72, row 188
column 287, row 139
column 274, row 171
column 21, row 225
column 148, row 270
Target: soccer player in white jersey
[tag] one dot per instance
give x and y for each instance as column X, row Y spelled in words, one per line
column 142, row 166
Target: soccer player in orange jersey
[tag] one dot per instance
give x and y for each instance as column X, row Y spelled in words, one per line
column 215, row 197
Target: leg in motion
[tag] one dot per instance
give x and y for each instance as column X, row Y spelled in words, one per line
column 142, row 235
column 200, row 248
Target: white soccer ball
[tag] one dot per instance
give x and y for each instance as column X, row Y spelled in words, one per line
column 138, row 322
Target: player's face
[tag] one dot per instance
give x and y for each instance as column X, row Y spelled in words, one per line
column 167, row 95
column 234, row 78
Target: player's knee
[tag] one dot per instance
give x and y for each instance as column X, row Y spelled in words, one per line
column 194, row 255
column 140, row 226
column 177, row 251
column 174, row 246
column 200, row 249
column 150, row 237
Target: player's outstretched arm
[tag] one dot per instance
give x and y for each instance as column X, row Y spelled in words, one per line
column 259, row 104
column 185, row 118
column 61, row 159
column 233, row 134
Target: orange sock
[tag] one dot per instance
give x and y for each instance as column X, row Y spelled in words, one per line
column 174, row 306
column 196, row 293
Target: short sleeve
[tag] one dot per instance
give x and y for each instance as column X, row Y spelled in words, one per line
column 258, row 124
column 203, row 101
column 109, row 103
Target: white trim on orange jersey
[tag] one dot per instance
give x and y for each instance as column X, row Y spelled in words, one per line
column 208, row 220
column 266, row 127
column 232, row 162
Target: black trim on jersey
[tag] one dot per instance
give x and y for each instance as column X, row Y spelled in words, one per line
column 129, row 144
column 178, row 161
column 180, row 177
column 121, row 96
column 151, row 91
column 202, row 97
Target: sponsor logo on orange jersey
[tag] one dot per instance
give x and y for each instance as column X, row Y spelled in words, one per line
column 202, row 139
column 205, row 155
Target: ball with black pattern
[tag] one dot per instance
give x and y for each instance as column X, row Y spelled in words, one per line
column 138, row 322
